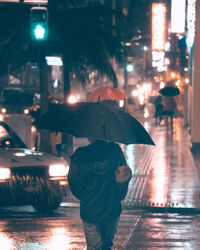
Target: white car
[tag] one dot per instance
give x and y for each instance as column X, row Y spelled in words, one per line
column 29, row 177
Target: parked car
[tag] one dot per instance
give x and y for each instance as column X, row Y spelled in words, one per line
column 29, row 177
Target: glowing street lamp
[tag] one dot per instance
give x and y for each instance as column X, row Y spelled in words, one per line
column 129, row 67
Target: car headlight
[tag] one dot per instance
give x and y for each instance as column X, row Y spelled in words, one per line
column 3, row 110
column 5, row 173
column 26, row 111
column 58, row 170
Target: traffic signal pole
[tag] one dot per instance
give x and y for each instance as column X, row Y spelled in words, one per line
column 39, row 36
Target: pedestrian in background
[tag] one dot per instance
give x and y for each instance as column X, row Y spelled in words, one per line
column 170, row 108
column 158, row 109
column 99, row 177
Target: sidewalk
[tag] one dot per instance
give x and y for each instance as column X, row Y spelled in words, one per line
column 165, row 176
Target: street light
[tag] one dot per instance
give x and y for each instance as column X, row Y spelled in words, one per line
column 129, row 67
column 145, row 48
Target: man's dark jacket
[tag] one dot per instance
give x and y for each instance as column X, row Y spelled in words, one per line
column 92, row 180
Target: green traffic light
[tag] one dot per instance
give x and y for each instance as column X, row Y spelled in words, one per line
column 39, row 32
column 39, row 24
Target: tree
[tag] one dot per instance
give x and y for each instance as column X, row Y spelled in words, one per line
column 83, row 36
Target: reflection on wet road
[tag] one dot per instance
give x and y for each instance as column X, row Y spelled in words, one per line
column 63, row 231
column 166, row 231
column 25, row 229
column 30, row 231
column 164, row 176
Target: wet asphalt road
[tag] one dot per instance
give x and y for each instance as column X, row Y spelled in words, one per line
column 25, row 229
column 161, row 210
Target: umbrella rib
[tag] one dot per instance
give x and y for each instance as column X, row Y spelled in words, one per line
column 121, row 123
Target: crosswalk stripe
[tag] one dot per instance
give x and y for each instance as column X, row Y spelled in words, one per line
column 128, row 222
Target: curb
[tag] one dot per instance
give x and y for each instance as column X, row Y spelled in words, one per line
column 177, row 210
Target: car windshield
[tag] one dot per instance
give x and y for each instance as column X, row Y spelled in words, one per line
column 19, row 99
column 8, row 139
column 3, row 133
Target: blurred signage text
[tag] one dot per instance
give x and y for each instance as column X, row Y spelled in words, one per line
column 158, row 32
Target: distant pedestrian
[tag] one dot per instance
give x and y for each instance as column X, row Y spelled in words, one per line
column 158, row 109
column 99, row 178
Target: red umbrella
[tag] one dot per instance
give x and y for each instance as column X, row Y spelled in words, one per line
column 107, row 93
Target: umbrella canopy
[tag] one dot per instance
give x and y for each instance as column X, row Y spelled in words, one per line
column 107, row 93
column 169, row 91
column 56, row 118
column 95, row 120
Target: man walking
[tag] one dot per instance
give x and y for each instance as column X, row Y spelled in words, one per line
column 99, row 178
column 169, row 108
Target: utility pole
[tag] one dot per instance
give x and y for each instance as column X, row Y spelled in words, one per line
column 125, row 77
column 114, row 31
column 144, row 62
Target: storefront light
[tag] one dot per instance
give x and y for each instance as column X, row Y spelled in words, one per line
column 187, row 80
column 162, row 85
column 135, row 93
column 173, row 75
column 141, row 99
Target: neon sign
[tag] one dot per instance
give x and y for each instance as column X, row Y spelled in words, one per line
column 158, row 32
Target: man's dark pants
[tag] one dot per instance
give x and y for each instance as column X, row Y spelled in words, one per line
column 99, row 236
